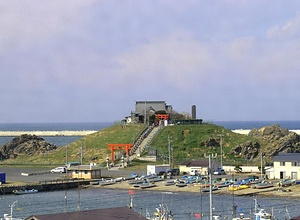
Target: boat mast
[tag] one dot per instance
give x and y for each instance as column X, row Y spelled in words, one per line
column 210, row 185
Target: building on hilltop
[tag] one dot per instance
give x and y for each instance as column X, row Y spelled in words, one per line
column 145, row 109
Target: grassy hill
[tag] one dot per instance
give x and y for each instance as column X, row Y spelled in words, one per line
column 193, row 141
column 187, row 142
column 94, row 147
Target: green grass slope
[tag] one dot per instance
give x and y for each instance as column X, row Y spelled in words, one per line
column 94, row 147
column 193, row 141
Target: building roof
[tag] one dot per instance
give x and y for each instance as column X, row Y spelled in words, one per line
column 121, row 213
column 195, row 163
column 287, row 157
column 84, row 167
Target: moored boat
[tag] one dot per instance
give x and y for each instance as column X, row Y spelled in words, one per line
column 263, row 185
column 207, row 189
column 26, row 191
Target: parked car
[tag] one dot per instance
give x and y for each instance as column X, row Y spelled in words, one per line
column 219, row 171
column 194, row 173
column 174, row 172
column 162, row 173
column 58, row 170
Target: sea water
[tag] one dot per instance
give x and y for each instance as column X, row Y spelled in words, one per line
column 57, row 140
column 182, row 205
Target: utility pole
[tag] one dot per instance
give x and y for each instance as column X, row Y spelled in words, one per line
column 169, row 149
column 210, row 184
column 81, row 153
column 221, row 146
column 261, row 165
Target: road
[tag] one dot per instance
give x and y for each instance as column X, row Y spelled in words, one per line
column 14, row 174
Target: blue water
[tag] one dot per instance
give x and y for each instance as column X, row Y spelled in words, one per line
column 57, row 140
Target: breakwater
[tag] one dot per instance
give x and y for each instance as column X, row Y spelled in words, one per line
column 49, row 185
column 47, row 133
column 246, row 131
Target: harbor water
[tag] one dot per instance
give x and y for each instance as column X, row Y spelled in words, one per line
column 182, row 205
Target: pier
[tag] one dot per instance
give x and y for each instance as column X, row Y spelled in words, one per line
column 46, row 133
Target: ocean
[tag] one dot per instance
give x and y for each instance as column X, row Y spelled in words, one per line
column 64, row 140
column 57, row 140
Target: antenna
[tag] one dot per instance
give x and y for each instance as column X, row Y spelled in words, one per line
column 210, row 184
column 12, row 208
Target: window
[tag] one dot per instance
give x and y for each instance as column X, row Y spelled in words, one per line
column 86, row 172
column 295, row 164
column 282, row 164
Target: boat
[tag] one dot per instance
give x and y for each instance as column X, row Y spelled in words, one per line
column 94, row 183
column 25, row 191
column 180, row 183
column 156, row 179
column 133, row 182
column 147, row 185
column 287, row 182
column 237, row 187
column 207, row 189
column 241, row 217
column 261, row 214
column 131, row 177
column 263, row 185
column 10, row 217
column 162, row 213
column 170, row 182
column 223, row 184
column 106, row 182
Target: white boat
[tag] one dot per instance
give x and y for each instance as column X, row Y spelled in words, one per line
column 10, row 217
column 26, row 191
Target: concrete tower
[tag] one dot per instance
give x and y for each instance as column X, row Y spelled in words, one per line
column 194, row 112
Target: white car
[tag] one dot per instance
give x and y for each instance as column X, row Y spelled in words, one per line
column 58, row 170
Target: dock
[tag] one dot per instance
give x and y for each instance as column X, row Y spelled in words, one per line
column 49, row 185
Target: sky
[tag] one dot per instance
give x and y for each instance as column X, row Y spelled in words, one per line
column 90, row 60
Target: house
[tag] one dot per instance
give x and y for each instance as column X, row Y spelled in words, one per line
column 145, row 109
column 286, row 166
column 85, row 172
column 107, row 214
column 200, row 166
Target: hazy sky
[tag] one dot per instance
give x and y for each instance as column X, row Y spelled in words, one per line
column 89, row 60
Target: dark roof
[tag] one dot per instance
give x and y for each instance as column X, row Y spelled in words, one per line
column 121, row 213
column 287, row 157
column 196, row 163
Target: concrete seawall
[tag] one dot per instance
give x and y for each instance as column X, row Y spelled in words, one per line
column 46, row 133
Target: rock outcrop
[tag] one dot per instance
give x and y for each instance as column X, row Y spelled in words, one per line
column 269, row 140
column 25, row 145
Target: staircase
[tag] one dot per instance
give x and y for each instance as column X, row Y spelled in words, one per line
column 143, row 142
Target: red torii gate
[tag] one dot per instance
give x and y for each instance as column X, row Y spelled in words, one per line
column 161, row 116
column 113, row 147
